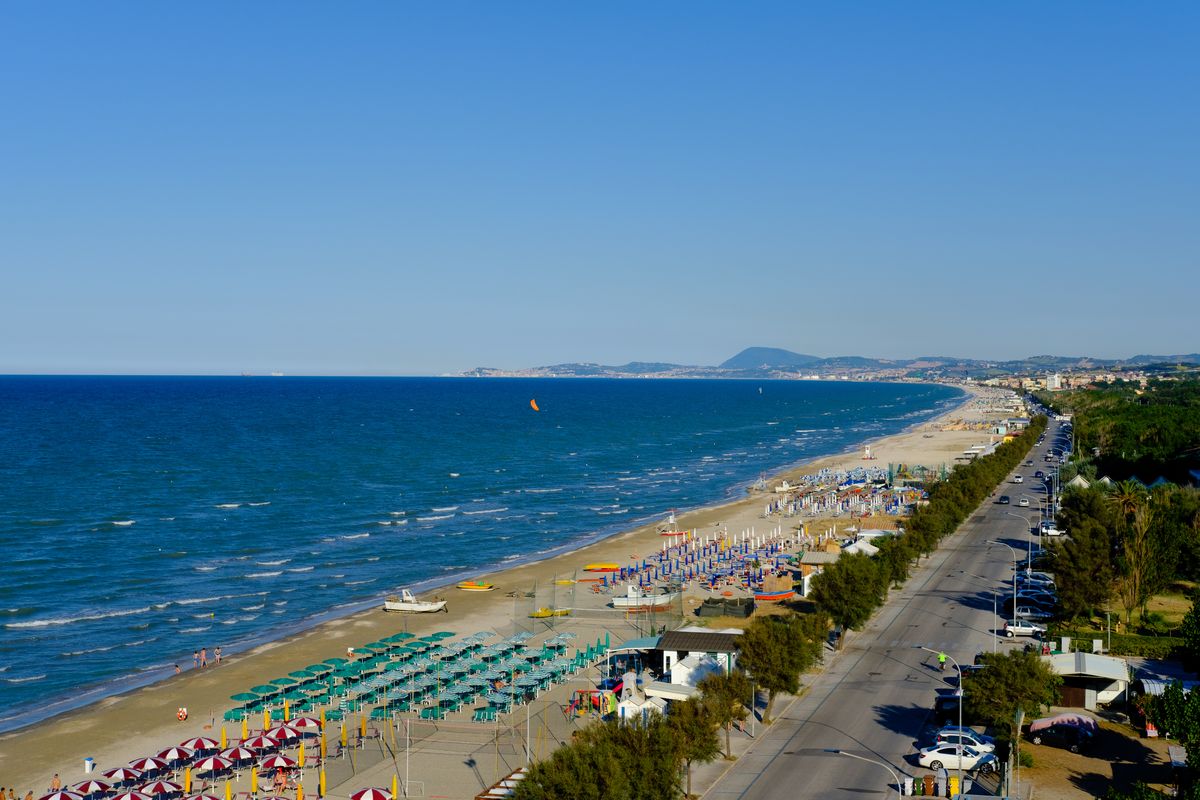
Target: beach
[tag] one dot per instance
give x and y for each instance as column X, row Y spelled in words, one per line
column 143, row 721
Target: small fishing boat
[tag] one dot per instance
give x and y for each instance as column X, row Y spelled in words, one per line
column 406, row 602
column 475, row 586
column 602, row 567
column 637, row 600
column 546, row 613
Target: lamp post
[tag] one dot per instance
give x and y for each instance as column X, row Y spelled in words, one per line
column 962, row 697
column 1029, row 527
column 899, row 788
column 995, row 614
column 1014, row 558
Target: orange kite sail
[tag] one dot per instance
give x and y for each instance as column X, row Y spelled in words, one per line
column 533, row 405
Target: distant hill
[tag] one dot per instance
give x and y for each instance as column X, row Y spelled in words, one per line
column 768, row 358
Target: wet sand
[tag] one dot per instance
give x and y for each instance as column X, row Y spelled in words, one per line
column 141, row 722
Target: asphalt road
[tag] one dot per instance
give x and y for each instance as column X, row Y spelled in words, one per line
column 875, row 697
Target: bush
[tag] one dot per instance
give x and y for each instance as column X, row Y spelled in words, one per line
column 1025, row 758
column 1124, row 644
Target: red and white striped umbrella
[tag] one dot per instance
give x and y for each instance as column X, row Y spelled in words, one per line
column 201, row 797
column 62, row 796
column 147, row 764
column 201, row 743
column 162, row 787
column 212, row 764
column 132, row 796
column 283, row 733
column 277, row 762
column 371, row 794
column 91, row 787
column 122, row 774
column 175, row 754
column 305, row 724
column 238, row 754
column 260, row 743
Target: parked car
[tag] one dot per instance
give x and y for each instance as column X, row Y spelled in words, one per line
column 1072, row 737
column 952, row 734
column 1021, row 627
column 1032, row 613
column 952, row 756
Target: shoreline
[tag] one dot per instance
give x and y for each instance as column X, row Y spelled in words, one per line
column 29, row 749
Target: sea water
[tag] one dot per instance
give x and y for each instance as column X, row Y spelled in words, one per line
column 142, row 518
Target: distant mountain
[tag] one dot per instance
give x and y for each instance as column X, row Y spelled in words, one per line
column 768, row 358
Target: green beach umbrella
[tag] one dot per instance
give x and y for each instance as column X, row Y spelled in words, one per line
column 244, row 697
column 265, row 690
column 362, row 651
column 442, row 635
column 399, row 637
column 318, row 669
column 376, row 647
column 285, row 682
column 295, row 694
column 333, row 662
column 302, row 674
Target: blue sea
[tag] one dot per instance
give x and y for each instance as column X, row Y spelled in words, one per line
column 142, row 518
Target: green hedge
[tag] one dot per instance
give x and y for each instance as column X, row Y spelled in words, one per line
column 1127, row 644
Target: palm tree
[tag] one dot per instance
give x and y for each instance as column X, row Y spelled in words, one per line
column 1127, row 497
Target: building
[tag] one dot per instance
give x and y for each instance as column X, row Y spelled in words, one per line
column 1090, row 680
column 689, row 654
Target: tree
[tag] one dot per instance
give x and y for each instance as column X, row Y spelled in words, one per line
column 726, row 694
column 849, row 590
column 1018, row 679
column 694, row 727
column 1084, row 568
column 1135, row 560
column 1189, row 629
column 777, row 650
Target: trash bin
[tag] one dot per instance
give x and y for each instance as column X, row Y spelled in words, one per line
column 927, row 787
column 89, row 764
column 907, row 787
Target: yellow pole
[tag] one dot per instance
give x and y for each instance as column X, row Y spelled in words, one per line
column 362, row 726
column 322, row 718
column 300, row 791
column 254, row 780
column 286, row 712
column 321, row 782
column 322, row 747
column 343, row 734
column 266, row 719
column 187, row 780
column 224, row 738
column 300, row 756
column 245, row 728
column 395, row 787
column 228, row 791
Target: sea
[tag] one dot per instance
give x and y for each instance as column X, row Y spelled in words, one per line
column 142, row 518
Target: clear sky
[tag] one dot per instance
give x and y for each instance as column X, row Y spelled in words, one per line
column 421, row 188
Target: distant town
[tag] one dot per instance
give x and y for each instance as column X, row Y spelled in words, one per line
column 768, row 363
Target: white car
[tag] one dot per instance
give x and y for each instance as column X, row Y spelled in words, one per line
column 1023, row 502
column 954, row 756
column 1018, row 479
column 1020, row 627
column 952, row 734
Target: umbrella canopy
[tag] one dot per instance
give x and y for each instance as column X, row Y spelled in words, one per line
column 238, row 754
column 265, row 690
column 162, row 787
column 212, row 764
column 91, row 787
column 62, row 796
column 398, row 637
column 283, row 733
column 305, row 724
column 200, row 797
column 318, row 669
column 201, row 743
column 122, row 774
column 283, row 682
column 279, row 762
column 333, row 662
column 148, row 764
column 175, row 754
column 243, row 697
column 371, row 794
column 260, row 743
column 132, row 796
column 302, row 675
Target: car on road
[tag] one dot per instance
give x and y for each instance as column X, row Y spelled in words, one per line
column 1048, row 528
column 1018, row 479
column 952, row 734
column 1072, row 737
column 1029, row 463
column 1039, row 474
column 1023, row 502
column 1004, row 500
column 1021, row 627
column 953, row 756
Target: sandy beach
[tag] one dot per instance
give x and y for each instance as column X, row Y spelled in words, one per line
column 143, row 721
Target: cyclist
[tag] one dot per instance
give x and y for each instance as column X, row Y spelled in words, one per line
column 941, row 662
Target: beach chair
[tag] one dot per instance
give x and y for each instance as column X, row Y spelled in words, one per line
column 380, row 712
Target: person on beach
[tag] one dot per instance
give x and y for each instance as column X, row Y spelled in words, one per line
column 196, row 660
column 56, row 783
column 177, row 669
column 203, row 657
column 217, row 654
column 29, row 795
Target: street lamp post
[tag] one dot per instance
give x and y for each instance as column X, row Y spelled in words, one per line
column 899, row 788
column 962, row 699
column 1014, row 558
column 995, row 614
column 1029, row 527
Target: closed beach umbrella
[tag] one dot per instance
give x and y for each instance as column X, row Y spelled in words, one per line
column 212, row 764
column 122, row 774
column 91, row 787
column 238, row 754
column 62, row 796
column 371, row 794
column 162, row 787
column 260, row 743
column 175, row 754
column 305, row 724
column 200, row 743
column 277, row 762
column 283, row 733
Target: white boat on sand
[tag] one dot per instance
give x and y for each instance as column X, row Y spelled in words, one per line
column 637, row 600
column 408, row 603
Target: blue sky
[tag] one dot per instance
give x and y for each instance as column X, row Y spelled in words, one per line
column 402, row 188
